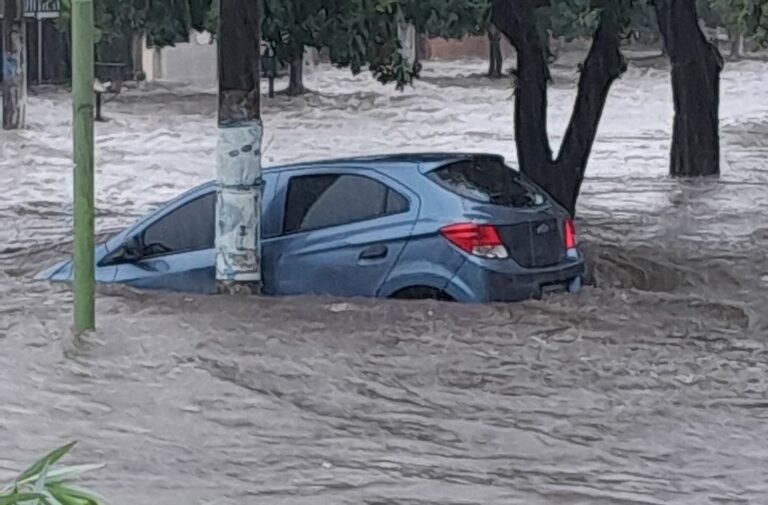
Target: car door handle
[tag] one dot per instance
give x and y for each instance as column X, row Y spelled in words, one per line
column 374, row 252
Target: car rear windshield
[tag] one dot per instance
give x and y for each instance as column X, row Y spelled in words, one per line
column 487, row 180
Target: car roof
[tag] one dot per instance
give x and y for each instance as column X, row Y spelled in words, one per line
column 423, row 161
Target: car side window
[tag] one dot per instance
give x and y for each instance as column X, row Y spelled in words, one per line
column 396, row 203
column 190, row 227
column 321, row 201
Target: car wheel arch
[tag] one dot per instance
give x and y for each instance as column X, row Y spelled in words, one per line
column 422, row 293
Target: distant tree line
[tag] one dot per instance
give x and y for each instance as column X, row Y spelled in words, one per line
column 363, row 34
column 366, row 35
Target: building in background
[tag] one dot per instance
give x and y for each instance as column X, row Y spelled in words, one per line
column 47, row 46
column 474, row 47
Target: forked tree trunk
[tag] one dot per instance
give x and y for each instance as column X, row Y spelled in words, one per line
column 296, row 79
column 561, row 177
column 496, row 61
column 696, row 67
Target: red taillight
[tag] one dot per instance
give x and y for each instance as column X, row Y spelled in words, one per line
column 477, row 239
column 569, row 235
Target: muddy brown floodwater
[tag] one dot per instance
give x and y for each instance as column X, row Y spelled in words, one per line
column 650, row 387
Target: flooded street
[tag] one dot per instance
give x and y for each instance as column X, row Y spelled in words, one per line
column 650, row 387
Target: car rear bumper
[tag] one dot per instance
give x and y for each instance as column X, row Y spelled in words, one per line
column 476, row 282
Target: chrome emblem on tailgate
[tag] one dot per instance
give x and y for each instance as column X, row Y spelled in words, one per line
column 542, row 229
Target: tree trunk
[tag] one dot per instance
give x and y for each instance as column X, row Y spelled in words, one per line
column 296, row 79
column 495, row 70
column 737, row 46
column 422, row 47
column 560, row 177
column 99, row 117
column 14, row 84
column 696, row 67
column 238, row 156
column 137, row 56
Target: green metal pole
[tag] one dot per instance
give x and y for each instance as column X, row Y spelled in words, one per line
column 82, row 99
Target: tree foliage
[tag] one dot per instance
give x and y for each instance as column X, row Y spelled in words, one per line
column 363, row 34
column 358, row 34
column 289, row 26
column 165, row 22
column 570, row 19
column 745, row 17
column 450, row 19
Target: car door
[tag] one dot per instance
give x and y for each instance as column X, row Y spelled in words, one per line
column 342, row 232
column 179, row 249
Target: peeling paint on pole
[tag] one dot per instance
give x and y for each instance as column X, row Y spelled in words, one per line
column 238, row 156
column 239, row 202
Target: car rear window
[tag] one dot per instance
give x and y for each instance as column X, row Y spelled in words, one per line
column 487, row 180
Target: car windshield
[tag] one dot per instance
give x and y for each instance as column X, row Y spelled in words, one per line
column 487, row 180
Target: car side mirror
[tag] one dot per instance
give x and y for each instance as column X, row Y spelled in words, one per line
column 131, row 250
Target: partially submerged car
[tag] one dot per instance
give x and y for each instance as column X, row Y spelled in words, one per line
column 463, row 227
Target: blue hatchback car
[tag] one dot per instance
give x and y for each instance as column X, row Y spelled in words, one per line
column 463, row 227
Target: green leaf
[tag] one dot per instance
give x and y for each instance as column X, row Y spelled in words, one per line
column 69, row 495
column 78, row 493
column 61, row 474
column 40, row 483
column 50, row 499
column 63, row 498
column 47, row 460
column 19, row 498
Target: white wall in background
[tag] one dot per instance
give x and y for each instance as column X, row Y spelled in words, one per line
column 193, row 62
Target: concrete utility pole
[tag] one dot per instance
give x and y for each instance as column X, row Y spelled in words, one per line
column 238, row 160
column 82, row 135
column 14, row 65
